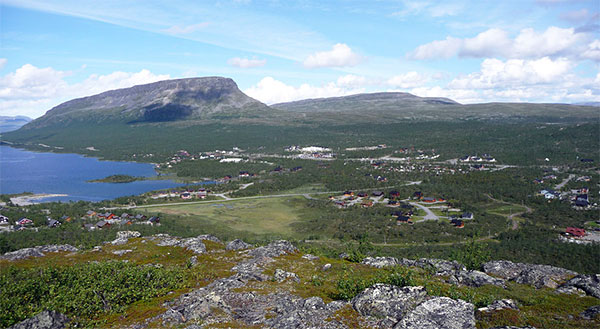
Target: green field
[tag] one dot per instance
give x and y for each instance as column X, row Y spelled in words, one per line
column 259, row 216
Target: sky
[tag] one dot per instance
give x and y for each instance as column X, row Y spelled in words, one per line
column 481, row 51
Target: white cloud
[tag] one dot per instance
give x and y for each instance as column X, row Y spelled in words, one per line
column 246, row 63
column 32, row 91
column 271, row 91
column 352, row 81
column 340, row 55
column 435, row 9
column 407, row 80
column 593, row 51
column 575, row 16
column 186, row 29
column 3, row 62
column 554, row 41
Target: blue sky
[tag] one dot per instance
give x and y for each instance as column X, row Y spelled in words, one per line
column 470, row 51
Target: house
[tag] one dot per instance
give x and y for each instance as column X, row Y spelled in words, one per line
column 227, row 177
column 403, row 220
column 278, row 169
column 587, row 160
column 140, row 217
column 393, row 203
column 90, row 213
column 576, row 232
column 340, row 204
column 244, row 174
column 457, row 223
column 24, row 221
column 102, row 224
column 297, row 168
column 583, row 203
column 348, row 193
column 418, row 195
column 89, row 227
column 4, row 220
column 367, row 204
column 125, row 215
column 154, row 220
column 53, row 222
column 381, row 179
column 428, row 199
column 362, row 194
column 377, row 193
column 186, row 195
column 394, row 194
column 466, row 215
column 331, row 197
column 125, row 221
column 65, row 218
column 441, row 200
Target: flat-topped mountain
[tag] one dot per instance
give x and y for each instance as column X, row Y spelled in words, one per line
column 380, row 101
column 169, row 100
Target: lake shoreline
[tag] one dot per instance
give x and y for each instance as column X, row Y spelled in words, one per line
column 29, row 199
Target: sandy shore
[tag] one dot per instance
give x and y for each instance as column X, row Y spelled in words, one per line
column 26, row 200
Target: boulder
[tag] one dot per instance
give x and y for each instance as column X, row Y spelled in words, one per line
column 440, row 313
column 474, row 279
column 380, row 262
column 273, row 249
column 588, row 283
column 310, row 257
column 388, row 302
column 122, row 252
column 500, row 304
column 124, row 236
column 237, row 244
column 326, row 267
column 440, row 266
column 43, row 320
column 591, row 313
column 281, row 275
column 193, row 244
column 570, row 290
column 536, row 275
column 208, row 237
column 38, row 251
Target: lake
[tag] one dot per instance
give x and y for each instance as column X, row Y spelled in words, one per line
column 55, row 173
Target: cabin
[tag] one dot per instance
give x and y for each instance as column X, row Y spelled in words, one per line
column 348, row 193
column 89, row 227
column 466, row 215
column 428, row 199
column 296, row 168
column 24, row 221
column 403, row 220
column 582, row 203
column 244, row 174
column 340, row 204
column 377, row 193
column 140, row 217
column 278, row 169
column 53, row 222
column 331, row 197
column 125, row 222
column 457, row 223
column 587, row 160
column 186, row 196
column 90, row 213
column 367, row 204
column 576, row 232
column 102, row 224
column 418, row 195
column 227, row 177
column 394, row 194
column 154, row 220
column 381, row 179
column 362, row 194
column 393, row 203
column 65, row 218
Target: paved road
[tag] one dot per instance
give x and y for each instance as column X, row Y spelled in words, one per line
column 564, row 182
column 429, row 214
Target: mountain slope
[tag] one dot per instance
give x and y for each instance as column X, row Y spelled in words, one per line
column 12, row 123
column 381, row 101
column 163, row 101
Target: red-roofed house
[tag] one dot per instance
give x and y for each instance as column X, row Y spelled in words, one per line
column 577, row 232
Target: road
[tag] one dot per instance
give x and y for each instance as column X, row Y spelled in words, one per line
column 564, row 182
column 515, row 224
column 429, row 214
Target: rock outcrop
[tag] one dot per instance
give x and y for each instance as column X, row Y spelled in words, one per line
column 193, row 244
column 440, row 313
column 38, row 251
column 590, row 284
column 501, row 304
column 591, row 313
column 536, row 275
column 43, row 320
column 124, row 236
column 237, row 244
column 388, row 303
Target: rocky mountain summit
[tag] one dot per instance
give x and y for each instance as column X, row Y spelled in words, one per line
column 276, row 286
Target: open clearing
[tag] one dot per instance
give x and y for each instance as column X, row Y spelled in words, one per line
column 260, row 216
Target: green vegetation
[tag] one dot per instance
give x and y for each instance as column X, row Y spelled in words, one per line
column 117, row 179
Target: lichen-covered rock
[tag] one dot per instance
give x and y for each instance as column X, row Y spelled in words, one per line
column 536, row 275
column 43, row 320
column 500, row 304
column 588, row 283
column 274, row 249
column 281, row 275
column 570, row 290
column 122, row 252
column 193, row 260
column 208, row 237
column 474, row 279
column 310, row 257
column 388, row 302
column 380, row 262
column 591, row 313
column 237, row 244
column 193, row 244
column 440, row 313
column 38, row 251
column 124, row 236
column 326, row 267
column 440, row 266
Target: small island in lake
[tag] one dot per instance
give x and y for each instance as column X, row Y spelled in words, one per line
column 117, row 179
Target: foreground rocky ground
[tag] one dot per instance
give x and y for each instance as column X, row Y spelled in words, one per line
column 236, row 285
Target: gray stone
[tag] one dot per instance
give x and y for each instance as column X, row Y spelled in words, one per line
column 588, row 283
column 536, row 275
column 501, row 304
column 193, row 244
column 124, row 236
column 439, row 266
column 38, row 251
column 591, row 313
column 122, row 252
column 273, row 249
column 387, row 302
column 237, row 244
column 281, row 275
column 193, row 260
column 43, row 320
column 380, row 262
column 310, row 257
column 440, row 313
column 326, row 267
column 208, row 237
column 570, row 290
column 343, row 255
column 474, row 279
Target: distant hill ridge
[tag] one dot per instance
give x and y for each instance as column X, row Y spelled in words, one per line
column 381, row 100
